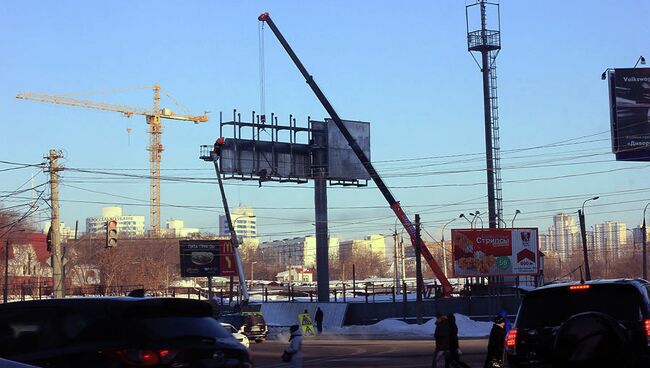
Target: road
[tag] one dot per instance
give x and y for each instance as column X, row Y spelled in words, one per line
column 365, row 353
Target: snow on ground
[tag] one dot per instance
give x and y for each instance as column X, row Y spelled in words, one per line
column 396, row 328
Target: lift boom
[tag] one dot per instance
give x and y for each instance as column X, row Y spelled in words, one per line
column 394, row 204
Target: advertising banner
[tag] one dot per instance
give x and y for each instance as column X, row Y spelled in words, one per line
column 629, row 91
column 200, row 258
column 227, row 263
column 494, row 252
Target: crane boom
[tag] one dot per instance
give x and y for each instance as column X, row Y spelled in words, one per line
column 394, row 204
column 124, row 109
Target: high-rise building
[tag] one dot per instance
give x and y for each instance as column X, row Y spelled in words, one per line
column 637, row 235
column 127, row 225
column 609, row 238
column 564, row 235
column 375, row 243
column 243, row 220
column 296, row 251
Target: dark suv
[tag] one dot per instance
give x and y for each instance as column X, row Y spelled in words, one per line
column 251, row 324
column 117, row 332
column 601, row 323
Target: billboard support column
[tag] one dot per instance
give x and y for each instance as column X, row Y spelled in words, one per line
column 320, row 208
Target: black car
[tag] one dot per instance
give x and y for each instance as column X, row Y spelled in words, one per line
column 601, row 323
column 117, row 332
column 251, row 324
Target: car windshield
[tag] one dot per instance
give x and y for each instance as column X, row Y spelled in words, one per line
column 551, row 307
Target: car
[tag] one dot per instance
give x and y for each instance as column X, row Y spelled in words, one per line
column 600, row 323
column 117, row 332
column 236, row 334
column 251, row 324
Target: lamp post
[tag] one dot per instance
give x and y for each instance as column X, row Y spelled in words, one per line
column 5, row 292
column 583, row 232
column 442, row 245
column 641, row 60
column 513, row 219
column 477, row 215
column 462, row 215
column 252, row 274
column 644, row 237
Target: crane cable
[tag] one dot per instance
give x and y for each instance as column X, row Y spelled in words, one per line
column 262, row 82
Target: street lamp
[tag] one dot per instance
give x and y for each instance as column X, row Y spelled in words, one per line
column 644, row 237
column 583, row 232
column 442, row 244
column 5, row 292
column 477, row 215
column 462, row 215
column 641, row 60
column 513, row 219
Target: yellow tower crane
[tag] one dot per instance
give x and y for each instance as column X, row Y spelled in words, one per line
column 155, row 132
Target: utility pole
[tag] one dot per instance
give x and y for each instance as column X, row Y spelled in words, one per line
column 320, row 208
column 583, row 233
column 418, row 270
column 57, row 269
column 395, row 262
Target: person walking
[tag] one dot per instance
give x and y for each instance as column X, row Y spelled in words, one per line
column 319, row 320
column 454, row 345
column 295, row 347
column 494, row 358
column 441, row 336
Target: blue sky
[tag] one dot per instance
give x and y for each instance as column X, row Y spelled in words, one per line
column 404, row 67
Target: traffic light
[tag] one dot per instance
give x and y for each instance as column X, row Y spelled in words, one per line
column 111, row 234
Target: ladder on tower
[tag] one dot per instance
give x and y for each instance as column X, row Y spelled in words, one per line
column 496, row 145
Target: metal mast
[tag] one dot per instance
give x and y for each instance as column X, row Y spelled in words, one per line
column 155, row 150
column 488, row 43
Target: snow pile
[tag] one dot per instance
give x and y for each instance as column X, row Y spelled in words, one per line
column 399, row 329
column 469, row 328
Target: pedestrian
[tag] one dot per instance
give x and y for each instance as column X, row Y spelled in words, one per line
column 494, row 358
column 441, row 336
column 319, row 320
column 294, row 351
column 454, row 346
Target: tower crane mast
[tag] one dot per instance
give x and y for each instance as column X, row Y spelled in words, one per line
column 153, row 119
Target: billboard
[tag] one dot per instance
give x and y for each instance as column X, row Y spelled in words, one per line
column 343, row 163
column 495, row 252
column 200, row 258
column 629, row 94
column 262, row 160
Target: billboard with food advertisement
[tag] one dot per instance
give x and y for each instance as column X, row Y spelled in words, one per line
column 200, row 258
column 495, row 252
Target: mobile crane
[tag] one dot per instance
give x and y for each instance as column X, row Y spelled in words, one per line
column 394, row 204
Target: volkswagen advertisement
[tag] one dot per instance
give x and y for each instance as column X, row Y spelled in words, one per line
column 629, row 93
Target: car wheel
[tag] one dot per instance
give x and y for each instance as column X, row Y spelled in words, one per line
column 259, row 341
column 591, row 338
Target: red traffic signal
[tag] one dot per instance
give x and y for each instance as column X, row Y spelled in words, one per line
column 111, row 233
